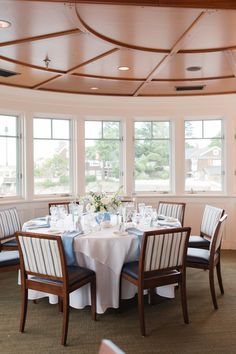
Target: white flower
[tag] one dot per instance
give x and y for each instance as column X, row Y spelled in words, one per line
column 90, row 208
column 105, row 200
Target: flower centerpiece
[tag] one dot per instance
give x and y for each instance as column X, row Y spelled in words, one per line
column 102, row 202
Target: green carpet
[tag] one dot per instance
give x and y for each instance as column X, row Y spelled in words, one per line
column 209, row 331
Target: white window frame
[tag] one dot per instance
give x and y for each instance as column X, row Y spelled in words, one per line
column 223, row 154
column 171, row 147
column 19, row 156
column 71, row 160
column 121, row 145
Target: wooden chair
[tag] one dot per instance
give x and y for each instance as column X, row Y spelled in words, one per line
column 42, row 258
column 108, row 347
column 9, row 261
column 210, row 259
column 172, row 209
column 9, row 224
column 65, row 204
column 210, row 219
column 161, row 262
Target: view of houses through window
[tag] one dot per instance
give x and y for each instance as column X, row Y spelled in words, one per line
column 203, row 155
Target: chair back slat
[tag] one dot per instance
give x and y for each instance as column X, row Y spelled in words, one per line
column 165, row 249
column 41, row 256
column 9, row 222
column 175, row 210
column 210, row 219
column 218, row 235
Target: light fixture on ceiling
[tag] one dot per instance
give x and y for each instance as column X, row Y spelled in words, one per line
column 94, row 88
column 47, row 61
column 194, row 68
column 123, row 68
column 4, row 24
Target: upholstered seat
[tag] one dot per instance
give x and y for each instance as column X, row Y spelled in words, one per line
column 210, row 259
column 198, row 242
column 9, row 259
column 161, row 262
column 198, row 255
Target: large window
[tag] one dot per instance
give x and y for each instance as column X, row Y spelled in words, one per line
column 152, row 156
column 103, row 156
column 10, row 156
column 203, row 155
column 52, row 156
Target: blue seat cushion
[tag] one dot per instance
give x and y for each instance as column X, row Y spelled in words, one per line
column 198, row 255
column 198, row 242
column 9, row 258
column 10, row 243
column 131, row 269
column 75, row 274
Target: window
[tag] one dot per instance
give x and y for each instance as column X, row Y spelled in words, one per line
column 10, row 156
column 203, row 155
column 103, row 156
column 152, row 156
column 52, row 156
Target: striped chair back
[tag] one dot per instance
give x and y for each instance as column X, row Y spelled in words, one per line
column 172, row 209
column 164, row 249
column 210, row 219
column 9, row 223
column 218, row 234
column 41, row 254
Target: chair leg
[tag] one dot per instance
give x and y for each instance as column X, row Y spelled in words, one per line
column 184, row 299
column 218, row 270
column 24, row 307
column 212, row 287
column 65, row 319
column 60, row 303
column 93, row 298
column 141, row 311
column 152, row 294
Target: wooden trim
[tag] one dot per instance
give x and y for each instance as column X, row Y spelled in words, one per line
column 215, row 4
column 40, row 37
column 174, row 50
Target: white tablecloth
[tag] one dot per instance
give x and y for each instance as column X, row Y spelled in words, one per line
column 105, row 253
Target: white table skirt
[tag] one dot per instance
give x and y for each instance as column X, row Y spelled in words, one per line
column 104, row 253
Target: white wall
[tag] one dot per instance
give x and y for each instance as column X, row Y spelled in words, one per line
column 29, row 103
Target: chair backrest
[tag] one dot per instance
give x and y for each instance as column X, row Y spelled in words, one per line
column 9, row 223
column 164, row 249
column 65, row 204
column 172, row 209
column 108, row 347
column 218, row 234
column 41, row 255
column 210, row 219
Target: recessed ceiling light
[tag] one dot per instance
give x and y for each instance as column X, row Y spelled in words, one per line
column 194, row 68
column 94, row 88
column 4, row 24
column 123, row 68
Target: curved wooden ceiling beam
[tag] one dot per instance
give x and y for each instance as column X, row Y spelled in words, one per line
column 188, row 33
column 31, row 66
column 70, row 71
column 112, row 78
column 203, row 4
column 40, row 37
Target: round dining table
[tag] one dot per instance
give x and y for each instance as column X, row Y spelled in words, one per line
column 104, row 251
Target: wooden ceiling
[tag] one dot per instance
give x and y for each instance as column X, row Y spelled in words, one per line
column 87, row 41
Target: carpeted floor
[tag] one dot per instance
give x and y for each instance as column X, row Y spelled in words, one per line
column 210, row 331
